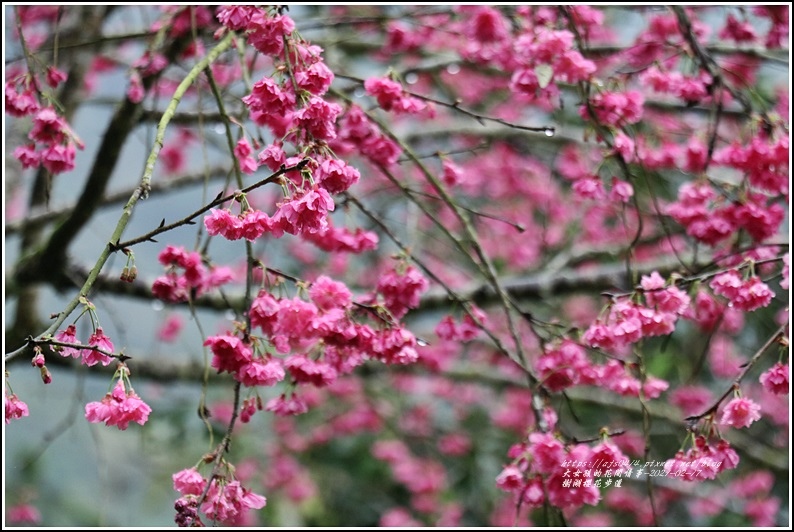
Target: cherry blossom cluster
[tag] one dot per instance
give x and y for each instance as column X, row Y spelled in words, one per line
column 628, row 321
column 710, row 219
column 291, row 103
column 341, row 240
column 544, row 469
column 711, row 453
column 119, row 407
column 89, row 357
column 149, row 64
column 357, row 133
column 391, row 96
column 691, row 89
column 703, row 461
column 538, row 54
column 745, row 294
column 221, row 498
column 53, row 143
column 764, row 159
column 250, row 225
column 567, row 365
column 320, row 337
column 615, row 109
column 186, row 275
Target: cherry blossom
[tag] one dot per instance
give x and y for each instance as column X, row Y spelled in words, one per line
column 775, row 379
column 118, row 408
column 740, row 412
column 14, row 407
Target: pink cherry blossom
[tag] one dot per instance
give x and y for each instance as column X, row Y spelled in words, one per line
column 118, row 408
column 762, row 512
column 235, row 17
column 189, row 482
column 755, row 483
column 740, row 412
column 100, row 340
column 48, row 127
column 624, row 145
column 224, row 223
column 402, row 290
column 264, row 312
column 230, row 353
column 272, row 156
column 510, row 479
column 306, row 370
column 304, row 213
column 68, row 336
column 316, row 79
column 270, row 98
column 281, row 406
column 19, row 104
column 266, row 33
column 607, row 457
column 342, row 240
column 621, row 191
column 561, row 367
column 547, row 452
column 171, row 287
column 28, row 156
column 589, row 188
column 487, row 25
column 776, row 379
column 395, row 346
column 227, row 501
column 58, row 158
column 317, row 118
column 260, row 372
column 336, row 176
column 173, row 158
column 254, row 224
column 14, row 407
column 135, row 92
column 328, row 294
column 616, row 108
column 747, row 295
column 737, row 31
column 23, row 514
column 171, row 327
